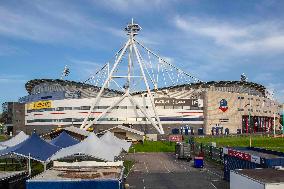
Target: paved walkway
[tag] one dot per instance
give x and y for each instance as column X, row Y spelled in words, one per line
column 163, row 171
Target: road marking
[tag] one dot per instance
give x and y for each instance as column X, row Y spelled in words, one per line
column 213, row 185
column 216, row 174
column 163, row 163
column 146, row 167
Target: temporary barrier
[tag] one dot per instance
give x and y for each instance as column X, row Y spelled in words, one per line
column 182, row 150
column 250, row 158
column 13, row 180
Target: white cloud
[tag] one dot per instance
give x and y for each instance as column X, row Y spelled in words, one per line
column 53, row 23
column 242, row 38
column 132, row 6
column 4, row 78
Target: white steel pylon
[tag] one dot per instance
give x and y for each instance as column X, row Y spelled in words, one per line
column 132, row 30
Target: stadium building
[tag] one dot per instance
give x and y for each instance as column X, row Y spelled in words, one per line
column 145, row 92
column 207, row 105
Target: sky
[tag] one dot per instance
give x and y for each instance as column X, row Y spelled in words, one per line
column 211, row 39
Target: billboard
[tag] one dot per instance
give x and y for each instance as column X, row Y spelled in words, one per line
column 39, row 105
column 178, row 102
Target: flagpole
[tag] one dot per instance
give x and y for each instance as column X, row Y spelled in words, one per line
column 274, row 129
column 282, row 119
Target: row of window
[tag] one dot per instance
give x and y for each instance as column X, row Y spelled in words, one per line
column 74, row 120
column 251, row 110
column 116, row 107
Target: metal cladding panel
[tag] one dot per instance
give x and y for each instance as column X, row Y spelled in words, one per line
column 274, row 162
column 58, row 95
column 69, row 184
column 232, row 163
column 241, row 182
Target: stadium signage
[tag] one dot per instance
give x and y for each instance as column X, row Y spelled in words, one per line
column 39, row 105
column 175, row 138
column 175, row 102
column 223, row 105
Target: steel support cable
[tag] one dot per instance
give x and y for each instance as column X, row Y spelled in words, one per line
column 168, row 74
column 187, row 74
column 147, row 71
column 151, row 66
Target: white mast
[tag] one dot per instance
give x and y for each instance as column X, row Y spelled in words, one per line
column 132, row 30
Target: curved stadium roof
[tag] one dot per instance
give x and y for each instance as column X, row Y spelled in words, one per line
column 32, row 83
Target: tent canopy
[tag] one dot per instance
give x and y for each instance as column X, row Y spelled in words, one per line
column 64, row 140
column 91, row 146
column 35, row 147
column 14, row 141
column 77, row 131
column 109, row 138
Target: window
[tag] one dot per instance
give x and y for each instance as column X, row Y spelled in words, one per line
column 177, row 107
column 60, row 109
column 103, row 107
column 168, row 107
column 85, row 107
column 76, row 108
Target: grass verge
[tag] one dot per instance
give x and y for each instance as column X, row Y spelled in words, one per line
column 243, row 141
column 154, row 146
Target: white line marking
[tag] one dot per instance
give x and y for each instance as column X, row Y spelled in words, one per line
column 213, row 185
column 146, row 167
column 216, row 174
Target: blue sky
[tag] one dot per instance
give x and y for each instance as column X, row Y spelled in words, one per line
column 213, row 40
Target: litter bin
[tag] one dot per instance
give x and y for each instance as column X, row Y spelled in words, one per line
column 198, row 162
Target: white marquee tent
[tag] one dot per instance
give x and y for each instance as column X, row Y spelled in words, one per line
column 109, row 138
column 91, row 146
column 14, row 141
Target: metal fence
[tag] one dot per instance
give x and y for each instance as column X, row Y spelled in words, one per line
column 209, row 152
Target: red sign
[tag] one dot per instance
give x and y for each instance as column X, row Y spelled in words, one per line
column 240, row 155
column 175, row 138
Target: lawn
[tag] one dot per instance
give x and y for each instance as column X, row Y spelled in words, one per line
column 257, row 141
column 154, row 146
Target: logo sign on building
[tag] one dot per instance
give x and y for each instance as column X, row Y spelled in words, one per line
column 39, row 105
column 177, row 102
column 223, row 105
column 175, row 138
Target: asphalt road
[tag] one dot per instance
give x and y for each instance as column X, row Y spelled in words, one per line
column 164, row 171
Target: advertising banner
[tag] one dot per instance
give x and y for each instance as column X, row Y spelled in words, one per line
column 175, row 138
column 240, row 155
column 39, row 105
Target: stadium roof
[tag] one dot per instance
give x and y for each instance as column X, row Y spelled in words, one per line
column 32, row 83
